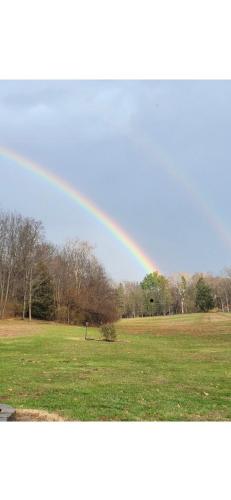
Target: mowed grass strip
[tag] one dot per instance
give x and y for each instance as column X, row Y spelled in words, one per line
column 161, row 368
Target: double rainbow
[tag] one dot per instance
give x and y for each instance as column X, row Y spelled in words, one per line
column 84, row 202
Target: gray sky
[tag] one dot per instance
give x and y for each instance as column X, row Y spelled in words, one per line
column 135, row 148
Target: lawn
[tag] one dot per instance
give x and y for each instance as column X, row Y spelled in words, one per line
column 162, row 368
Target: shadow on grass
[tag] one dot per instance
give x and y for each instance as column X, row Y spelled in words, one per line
column 100, row 340
column 109, row 341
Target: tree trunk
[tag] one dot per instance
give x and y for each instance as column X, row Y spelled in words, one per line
column 30, row 296
column 24, row 306
column 2, row 295
column 6, row 295
column 182, row 307
column 24, row 297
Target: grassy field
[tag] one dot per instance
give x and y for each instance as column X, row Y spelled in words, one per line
column 172, row 368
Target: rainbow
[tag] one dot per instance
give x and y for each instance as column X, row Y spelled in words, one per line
column 153, row 154
column 85, row 203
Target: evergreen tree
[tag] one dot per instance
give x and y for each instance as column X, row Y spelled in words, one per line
column 204, row 298
column 43, row 295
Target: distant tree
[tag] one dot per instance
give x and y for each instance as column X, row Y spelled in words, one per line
column 120, row 299
column 204, row 298
column 150, row 281
column 134, row 299
column 221, row 286
column 43, row 294
column 82, row 290
column 99, row 298
column 19, row 239
column 157, row 293
column 182, row 288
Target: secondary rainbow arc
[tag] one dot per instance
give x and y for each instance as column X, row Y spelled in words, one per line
column 116, row 230
column 154, row 152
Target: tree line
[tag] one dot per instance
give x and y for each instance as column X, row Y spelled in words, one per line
column 44, row 281
column 68, row 284
column 182, row 293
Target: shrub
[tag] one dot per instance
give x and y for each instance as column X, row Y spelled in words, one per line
column 109, row 332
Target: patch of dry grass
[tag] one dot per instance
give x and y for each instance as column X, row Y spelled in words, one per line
column 29, row 415
column 15, row 327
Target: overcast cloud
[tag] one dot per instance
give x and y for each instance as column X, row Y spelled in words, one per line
column 134, row 148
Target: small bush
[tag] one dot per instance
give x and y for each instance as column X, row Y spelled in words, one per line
column 109, row 332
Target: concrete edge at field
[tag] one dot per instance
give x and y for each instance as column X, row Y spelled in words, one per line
column 7, row 413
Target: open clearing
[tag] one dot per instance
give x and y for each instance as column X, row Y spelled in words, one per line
column 162, row 368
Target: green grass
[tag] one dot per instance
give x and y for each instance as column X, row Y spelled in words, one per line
column 172, row 368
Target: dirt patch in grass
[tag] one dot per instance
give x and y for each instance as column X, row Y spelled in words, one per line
column 37, row 416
